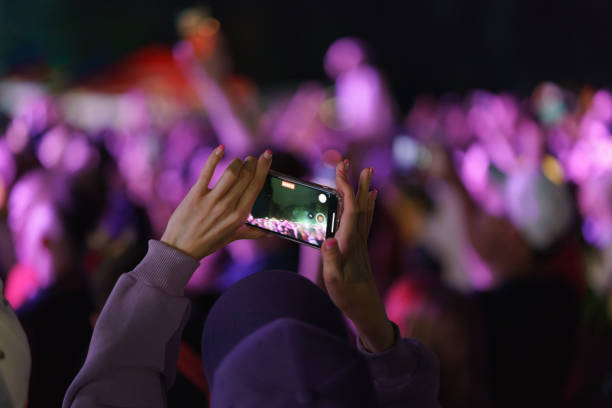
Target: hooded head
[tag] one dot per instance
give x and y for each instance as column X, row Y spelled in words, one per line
column 275, row 339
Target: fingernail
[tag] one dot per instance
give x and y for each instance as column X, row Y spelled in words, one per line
column 219, row 149
column 346, row 164
column 331, row 243
column 375, row 194
column 371, row 170
column 268, row 154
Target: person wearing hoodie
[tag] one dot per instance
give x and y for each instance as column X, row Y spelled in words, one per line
column 273, row 339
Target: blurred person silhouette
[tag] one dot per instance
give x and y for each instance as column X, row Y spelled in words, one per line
column 364, row 106
column 204, row 59
column 530, row 312
column 273, row 339
column 51, row 216
column 423, row 304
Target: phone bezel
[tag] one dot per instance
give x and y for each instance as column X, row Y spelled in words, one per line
column 331, row 229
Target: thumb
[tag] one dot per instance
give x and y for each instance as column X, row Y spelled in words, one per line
column 332, row 261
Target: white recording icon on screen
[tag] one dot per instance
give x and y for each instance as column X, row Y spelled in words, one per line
column 322, row 198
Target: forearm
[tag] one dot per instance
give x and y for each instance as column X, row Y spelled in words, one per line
column 133, row 352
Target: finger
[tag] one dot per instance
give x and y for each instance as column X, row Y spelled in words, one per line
column 332, row 262
column 228, row 178
column 362, row 201
column 364, row 187
column 371, row 205
column 348, row 219
column 253, row 189
column 209, row 168
column 244, row 179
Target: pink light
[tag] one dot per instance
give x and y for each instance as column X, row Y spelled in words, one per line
column 21, row 285
column 474, row 168
column 17, row 135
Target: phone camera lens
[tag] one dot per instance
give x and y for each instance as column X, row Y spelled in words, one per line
column 310, row 215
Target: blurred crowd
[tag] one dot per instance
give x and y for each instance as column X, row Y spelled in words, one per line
column 491, row 242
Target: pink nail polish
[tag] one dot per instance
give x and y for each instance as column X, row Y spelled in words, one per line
column 371, row 170
column 331, row 243
column 220, row 149
column 268, row 154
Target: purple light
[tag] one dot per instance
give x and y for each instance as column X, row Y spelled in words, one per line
column 51, row 147
column 343, row 55
column 25, row 191
column 592, row 154
column 363, row 107
column 457, row 127
column 41, row 113
column 17, row 135
column 601, row 106
column 79, row 154
column 529, row 143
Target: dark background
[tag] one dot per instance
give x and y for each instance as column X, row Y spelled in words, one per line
column 429, row 46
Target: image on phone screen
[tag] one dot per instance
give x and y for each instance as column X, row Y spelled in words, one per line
column 296, row 210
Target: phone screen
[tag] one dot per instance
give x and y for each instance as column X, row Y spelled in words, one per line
column 296, row 210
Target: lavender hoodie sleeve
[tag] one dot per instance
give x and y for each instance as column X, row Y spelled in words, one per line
column 408, row 374
column 132, row 357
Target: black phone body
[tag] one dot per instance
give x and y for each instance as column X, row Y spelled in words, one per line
column 297, row 210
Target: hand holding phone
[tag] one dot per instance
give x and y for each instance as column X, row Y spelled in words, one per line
column 346, row 264
column 210, row 218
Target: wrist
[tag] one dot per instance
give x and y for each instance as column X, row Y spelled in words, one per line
column 179, row 245
column 377, row 338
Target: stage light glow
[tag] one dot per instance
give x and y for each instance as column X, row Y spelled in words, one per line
column 405, row 152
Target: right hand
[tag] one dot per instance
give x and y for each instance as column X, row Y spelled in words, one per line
column 208, row 219
column 346, row 265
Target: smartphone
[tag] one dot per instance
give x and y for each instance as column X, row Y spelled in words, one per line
column 297, row 210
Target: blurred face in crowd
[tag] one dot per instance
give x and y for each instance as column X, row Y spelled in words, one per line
column 39, row 238
column 500, row 245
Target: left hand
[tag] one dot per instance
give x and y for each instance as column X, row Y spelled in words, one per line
column 208, row 219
